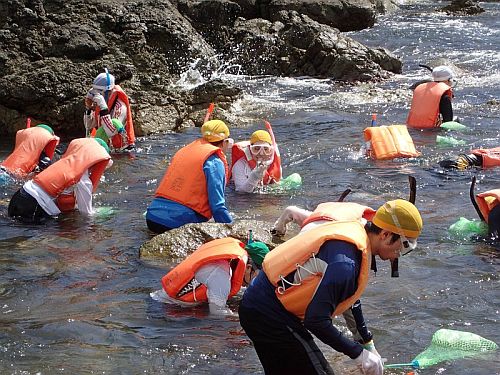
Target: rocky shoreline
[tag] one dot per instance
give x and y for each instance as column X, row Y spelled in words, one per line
column 52, row 50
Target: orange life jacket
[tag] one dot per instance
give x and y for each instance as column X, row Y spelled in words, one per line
column 180, row 282
column 424, row 110
column 30, row 143
column 490, row 156
column 81, row 154
column 284, row 259
column 117, row 139
column 185, row 182
column 340, row 211
column 389, row 142
column 487, row 201
column 242, row 150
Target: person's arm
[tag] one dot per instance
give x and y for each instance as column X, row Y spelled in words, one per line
column 83, row 194
column 445, row 108
column 119, row 111
column 245, row 179
column 215, row 176
column 290, row 214
column 338, row 284
column 216, row 276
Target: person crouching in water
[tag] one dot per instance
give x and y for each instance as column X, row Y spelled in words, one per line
column 431, row 102
column 65, row 185
column 107, row 101
column 316, row 275
column 34, row 150
column 213, row 273
column 255, row 163
column 192, row 189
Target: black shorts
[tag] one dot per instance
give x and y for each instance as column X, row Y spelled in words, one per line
column 24, row 207
column 283, row 349
column 157, row 228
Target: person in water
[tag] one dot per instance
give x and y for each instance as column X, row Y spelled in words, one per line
column 489, row 206
column 213, row 273
column 318, row 274
column 104, row 102
column 192, row 189
column 64, row 186
column 34, row 150
column 255, row 163
column 431, row 102
column 478, row 158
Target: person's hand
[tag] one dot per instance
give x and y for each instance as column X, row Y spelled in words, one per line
column 369, row 363
column 89, row 104
column 99, row 100
column 261, row 167
column 370, row 346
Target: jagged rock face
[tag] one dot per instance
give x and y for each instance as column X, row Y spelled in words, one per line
column 463, row 7
column 178, row 243
column 295, row 45
column 52, row 50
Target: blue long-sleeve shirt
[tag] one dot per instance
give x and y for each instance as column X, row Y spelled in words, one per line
column 338, row 284
column 173, row 215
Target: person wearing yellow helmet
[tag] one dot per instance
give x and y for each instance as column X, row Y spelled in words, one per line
column 64, row 186
column 318, row 274
column 192, row 189
column 255, row 162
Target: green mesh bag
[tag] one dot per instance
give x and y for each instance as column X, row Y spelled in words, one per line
column 448, row 344
column 453, row 125
column 466, row 228
column 442, row 140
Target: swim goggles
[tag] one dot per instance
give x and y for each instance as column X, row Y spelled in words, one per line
column 261, row 149
column 407, row 244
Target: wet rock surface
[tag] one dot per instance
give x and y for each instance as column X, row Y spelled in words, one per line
column 53, row 49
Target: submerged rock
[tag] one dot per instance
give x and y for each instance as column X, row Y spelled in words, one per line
column 179, row 243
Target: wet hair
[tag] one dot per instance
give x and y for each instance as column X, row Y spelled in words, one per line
column 372, row 228
column 218, row 143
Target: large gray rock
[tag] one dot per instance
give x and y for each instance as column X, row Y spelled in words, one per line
column 178, row 243
column 295, row 45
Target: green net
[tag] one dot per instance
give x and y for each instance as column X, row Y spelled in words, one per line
column 466, row 228
column 448, row 344
column 449, row 141
column 292, row 182
column 453, row 125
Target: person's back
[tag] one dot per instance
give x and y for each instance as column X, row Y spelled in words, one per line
column 192, row 189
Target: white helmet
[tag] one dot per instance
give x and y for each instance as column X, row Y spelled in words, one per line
column 104, row 81
column 442, row 73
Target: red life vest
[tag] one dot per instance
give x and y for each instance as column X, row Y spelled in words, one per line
column 180, row 283
column 30, row 143
column 185, row 182
column 490, row 156
column 424, row 110
column 82, row 154
column 298, row 250
column 117, row 139
column 487, row 201
column 390, row 142
column 340, row 211
column 242, row 150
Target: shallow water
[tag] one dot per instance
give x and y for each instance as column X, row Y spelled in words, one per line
column 74, row 294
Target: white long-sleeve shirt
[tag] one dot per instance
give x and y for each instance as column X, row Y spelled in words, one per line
column 245, row 178
column 119, row 111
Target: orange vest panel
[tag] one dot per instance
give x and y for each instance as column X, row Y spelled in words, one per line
column 340, row 211
column 117, row 139
column 284, row 259
column 242, row 150
column 389, row 142
column 179, row 282
column 490, row 156
column 487, row 201
column 82, row 154
column 185, row 181
column 424, row 110
column 30, row 143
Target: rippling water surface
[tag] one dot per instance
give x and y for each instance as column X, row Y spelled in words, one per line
column 74, row 295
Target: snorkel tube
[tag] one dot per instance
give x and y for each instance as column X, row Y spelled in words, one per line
column 108, row 84
column 473, row 198
column 211, row 108
column 275, row 145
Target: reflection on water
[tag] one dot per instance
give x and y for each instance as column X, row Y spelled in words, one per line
column 74, row 295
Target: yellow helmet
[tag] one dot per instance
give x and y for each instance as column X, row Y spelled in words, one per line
column 214, row 131
column 399, row 216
